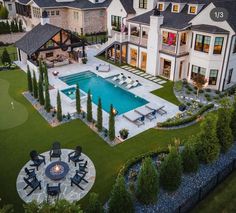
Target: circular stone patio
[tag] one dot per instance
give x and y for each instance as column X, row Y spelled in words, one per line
column 68, row 192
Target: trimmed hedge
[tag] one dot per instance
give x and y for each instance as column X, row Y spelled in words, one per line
column 124, row 169
column 186, row 120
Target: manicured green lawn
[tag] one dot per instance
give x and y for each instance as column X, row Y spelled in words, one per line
column 11, row 50
column 222, row 199
column 35, row 133
column 167, row 93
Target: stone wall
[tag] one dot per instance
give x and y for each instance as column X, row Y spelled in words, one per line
column 11, row 38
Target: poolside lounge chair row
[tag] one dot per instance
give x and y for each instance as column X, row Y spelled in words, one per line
column 148, row 111
column 128, row 81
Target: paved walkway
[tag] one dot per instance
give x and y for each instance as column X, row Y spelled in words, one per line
column 68, row 192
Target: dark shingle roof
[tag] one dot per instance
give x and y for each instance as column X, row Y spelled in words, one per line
column 81, row 4
column 128, row 6
column 230, row 6
column 171, row 20
column 209, row 29
column 36, row 38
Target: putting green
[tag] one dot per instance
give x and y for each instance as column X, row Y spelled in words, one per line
column 12, row 112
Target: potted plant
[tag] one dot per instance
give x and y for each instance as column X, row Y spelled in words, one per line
column 124, row 133
column 84, row 60
column 182, row 107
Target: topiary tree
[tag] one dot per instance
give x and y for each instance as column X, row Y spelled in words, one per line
column 5, row 57
column 233, row 118
column 224, row 132
column 89, row 108
column 148, row 182
column 35, row 86
column 111, row 131
column 189, row 158
column 20, row 26
column 99, row 115
column 199, row 81
column 3, row 12
column 94, row 205
column 171, row 170
column 207, row 144
column 59, row 206
column 47, row 104
column 120, row 200
column 78, row 102
column 29, row 80
column 12, row 25
column 59, row 110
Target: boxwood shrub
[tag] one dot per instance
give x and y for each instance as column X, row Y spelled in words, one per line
column 186, row 120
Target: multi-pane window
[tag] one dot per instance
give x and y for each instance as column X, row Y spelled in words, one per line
column 57, row 12
column 160, row 7
column 192, row 9
column 36, row 12
column 183, row 39
column 218, row 45
column 115, row 21
column 197, row 71
column 230, row 76
column 76, row 15
column 52, row 13
column 234, row 48
column 175, row 8
column 213, row 77
column 143, row 4
column 202, row 43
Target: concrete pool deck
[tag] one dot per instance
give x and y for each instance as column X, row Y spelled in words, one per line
column 143, row 91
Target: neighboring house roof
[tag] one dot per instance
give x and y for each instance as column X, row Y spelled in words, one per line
column 128, row 6
column 209, row 29
column 81, row 4
column 32, row 41
column 172, row 20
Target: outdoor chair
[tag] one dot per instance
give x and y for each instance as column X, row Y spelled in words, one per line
column 30, row 173
column 37, row 159
column 55, row 152
column 53, row 191
column 83, row 167
column 77, row 179
column 75, row 155
column 33, row 183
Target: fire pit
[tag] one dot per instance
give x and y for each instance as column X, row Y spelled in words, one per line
column 57, row 170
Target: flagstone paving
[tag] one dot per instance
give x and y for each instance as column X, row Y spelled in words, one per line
column 68, row 192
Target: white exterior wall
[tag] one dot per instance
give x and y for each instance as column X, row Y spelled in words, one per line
column 150, row 6
column 116, row 9
column 204, row 18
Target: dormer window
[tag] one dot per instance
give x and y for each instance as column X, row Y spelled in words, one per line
column 192, row 9
column 143, row 4
column 175, row 8
column 160, row 7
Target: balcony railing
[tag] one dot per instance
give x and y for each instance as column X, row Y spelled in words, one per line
column 168, row 48
column 118, row 36
column 138, row 40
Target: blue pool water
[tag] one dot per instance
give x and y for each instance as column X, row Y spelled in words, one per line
column 70, row 92
column 122, row 100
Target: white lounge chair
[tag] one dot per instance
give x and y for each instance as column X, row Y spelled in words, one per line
column 127, row 81
column 135, row 118
column 159, row 108
column 133, row 84
column 148, row 113
column 104, row 68
column 119, row 77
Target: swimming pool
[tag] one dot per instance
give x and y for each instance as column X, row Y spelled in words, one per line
column 122, row 100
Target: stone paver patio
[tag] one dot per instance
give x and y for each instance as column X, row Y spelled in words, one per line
column 68, row 192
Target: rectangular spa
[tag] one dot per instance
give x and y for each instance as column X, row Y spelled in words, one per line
column 122, row 100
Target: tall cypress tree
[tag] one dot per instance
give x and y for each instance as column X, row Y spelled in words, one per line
column 94, row 205
column 78, row 103
column 40, row 91
column 41, row 71
column 47, row 105
column 111, row 131
column 148, row 182
column 45, row 72
column 224, row 132
column 29, row 79
column 120, row 200
column 233, row 118
column 59, row 110
column 35, row 86
column 20, row 26
column 89, row 108
column 99, row 115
